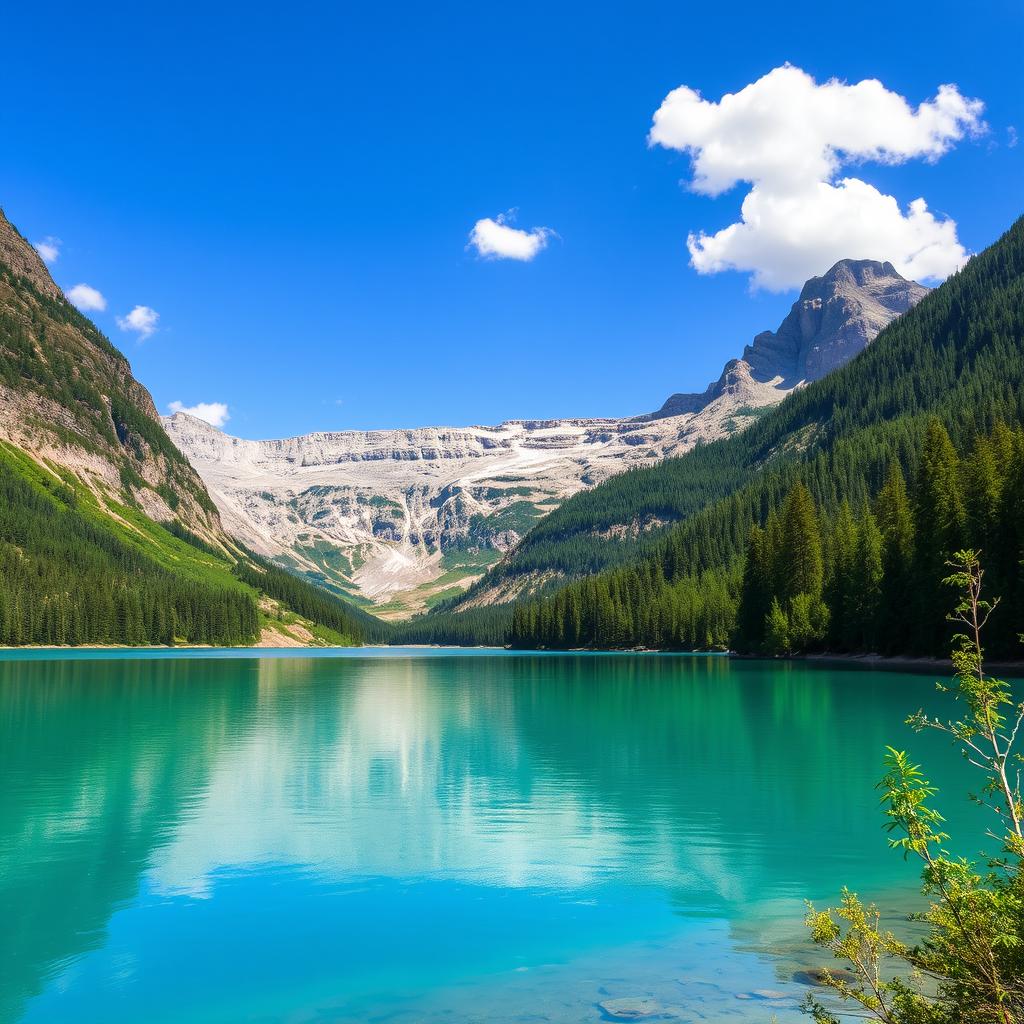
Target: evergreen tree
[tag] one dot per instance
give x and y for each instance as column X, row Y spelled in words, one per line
column 982, row 483
column 866, row 586
column 840, row 549
column 755, row 594
column 939, row 530
column 895, row 520
column 776, row 630
column 800, row 558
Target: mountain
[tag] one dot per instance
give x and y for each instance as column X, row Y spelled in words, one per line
column 107, row 534
column 409, row 518
column 826, row 525
column 68, row 396
column 836, row 316
column 405, row 517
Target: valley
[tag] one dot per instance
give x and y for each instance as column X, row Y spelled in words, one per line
column 511, row 515
column 400, row 520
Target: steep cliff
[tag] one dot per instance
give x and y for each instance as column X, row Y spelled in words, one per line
column 836, row 316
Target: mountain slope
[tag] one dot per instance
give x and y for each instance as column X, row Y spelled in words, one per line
column 408, row 518
column 399, row 517
column 66, row 394
column 107, row 535
column 957, row 357
column 835, row 318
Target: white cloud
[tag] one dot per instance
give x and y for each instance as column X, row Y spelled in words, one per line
column 214, row 413
column 49, row 248
column 788, row 137
column 86, row 298
column 493, row 239
column 141, row 319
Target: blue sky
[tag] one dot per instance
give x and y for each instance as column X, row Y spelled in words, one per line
column 292, row 190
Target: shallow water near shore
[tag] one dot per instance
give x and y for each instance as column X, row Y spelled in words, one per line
column 407, row 836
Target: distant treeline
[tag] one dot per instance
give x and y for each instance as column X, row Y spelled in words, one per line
column 311, row 602
column 958, row 355
column 474, row 627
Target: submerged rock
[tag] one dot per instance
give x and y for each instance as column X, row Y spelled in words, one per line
column 818, row 976
column 631, row 1009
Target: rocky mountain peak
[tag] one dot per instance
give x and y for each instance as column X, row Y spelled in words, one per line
column 17, row 253
column 857, row 272
column 836, row 317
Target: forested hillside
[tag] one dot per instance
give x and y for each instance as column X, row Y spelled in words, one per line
column 107, row 535
column 946, row 356
column 937, row 399
column 68, row 395
column 73, row 571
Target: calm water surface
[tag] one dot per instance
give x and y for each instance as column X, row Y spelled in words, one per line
column 421, row 836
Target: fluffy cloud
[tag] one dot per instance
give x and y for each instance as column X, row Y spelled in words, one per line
column 788, row 137
column 49, row 248
column 142, row 320
column 86, row 298
column 494, row 239
column 214, row 413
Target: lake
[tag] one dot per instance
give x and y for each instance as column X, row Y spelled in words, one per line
column 421, row 836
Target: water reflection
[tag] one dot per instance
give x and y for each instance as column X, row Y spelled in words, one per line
column 697, row 775
column 693, row 785
column 99, row 765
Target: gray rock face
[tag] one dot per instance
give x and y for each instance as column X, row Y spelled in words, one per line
column 387, row 514
column 836, row 317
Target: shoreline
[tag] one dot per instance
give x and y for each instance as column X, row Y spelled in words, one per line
column 904, row 663
column 875, row 662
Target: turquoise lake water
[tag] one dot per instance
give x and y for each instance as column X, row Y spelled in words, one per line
column 408, row 836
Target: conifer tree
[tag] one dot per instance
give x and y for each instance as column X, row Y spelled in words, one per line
column 939, row 531
column 755, row 594
column 776, row 630
column 866, row 589
column 982, row 484
column 841, row 549
column 800, row 556
column 895, row 520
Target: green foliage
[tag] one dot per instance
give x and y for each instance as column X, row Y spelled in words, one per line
column 311, row 601
column 67, row 579
column 71, row 574
column 47, row 347
column 799, row 568
column 474, row 627
column 182, row 532
column 776, row 630
column 864, row 587
column 808, row 621
column 969, row 967
column 78, row 570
